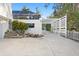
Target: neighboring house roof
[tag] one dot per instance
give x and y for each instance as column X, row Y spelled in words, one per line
column 23, row 12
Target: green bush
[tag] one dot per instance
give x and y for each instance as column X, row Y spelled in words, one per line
column 19, row 26
column 48, row 27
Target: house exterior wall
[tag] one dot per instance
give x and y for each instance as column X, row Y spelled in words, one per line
column 5, row 16
column 53, row 22
column 2, row 10
column 3, row 28
column 37, row 26
column 5, row 10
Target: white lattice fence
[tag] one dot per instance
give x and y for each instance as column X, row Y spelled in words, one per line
column 60, row 26
column 63, row 26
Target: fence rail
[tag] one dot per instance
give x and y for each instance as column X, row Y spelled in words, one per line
column 73, row 35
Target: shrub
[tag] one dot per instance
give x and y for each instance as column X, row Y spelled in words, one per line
column 48, row 27
column 19, row 26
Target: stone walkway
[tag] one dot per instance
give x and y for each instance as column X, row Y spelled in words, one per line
column 50, row 45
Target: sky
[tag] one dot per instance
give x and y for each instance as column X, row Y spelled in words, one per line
column 32, row 6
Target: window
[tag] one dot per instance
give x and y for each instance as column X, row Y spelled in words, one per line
column 31, row 25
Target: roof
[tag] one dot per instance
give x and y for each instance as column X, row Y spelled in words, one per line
column 23, row 12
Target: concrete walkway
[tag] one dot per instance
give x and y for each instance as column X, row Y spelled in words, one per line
column 50, row 45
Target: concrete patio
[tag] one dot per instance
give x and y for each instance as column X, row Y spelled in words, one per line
column 50, row 45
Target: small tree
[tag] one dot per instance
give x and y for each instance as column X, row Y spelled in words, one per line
column 19, row 27
column 14, row 25
column 25, row 9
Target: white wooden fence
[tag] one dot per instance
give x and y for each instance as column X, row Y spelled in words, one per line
column 60, row 26
column 73, row 35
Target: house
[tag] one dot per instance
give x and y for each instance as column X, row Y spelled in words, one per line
column 5, row 17
column 32, row 18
